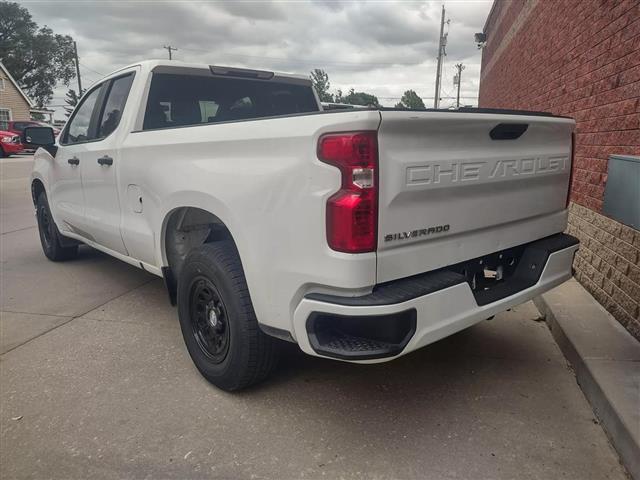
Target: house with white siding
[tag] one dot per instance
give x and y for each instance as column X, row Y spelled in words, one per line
column 14, row 103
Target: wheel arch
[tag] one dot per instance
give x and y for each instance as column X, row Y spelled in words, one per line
column 184, row 228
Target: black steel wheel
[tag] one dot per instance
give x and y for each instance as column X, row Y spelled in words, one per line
column 217, row 320
column 209, row 319
column 46, row 226
column 50, row 237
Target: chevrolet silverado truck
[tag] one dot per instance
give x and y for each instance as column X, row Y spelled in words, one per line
column 359, row 234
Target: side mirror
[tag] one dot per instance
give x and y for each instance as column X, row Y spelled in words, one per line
column 40, row 137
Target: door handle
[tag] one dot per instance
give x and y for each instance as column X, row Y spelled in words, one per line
column 73, row 161
column 106, row 160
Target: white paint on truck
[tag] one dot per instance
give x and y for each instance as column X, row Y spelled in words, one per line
column 445, row 193
column 440, row 169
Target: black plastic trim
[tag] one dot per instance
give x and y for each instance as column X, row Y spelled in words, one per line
column 529, row 269
column 396, row 291
column 404, row 289
column 375, row 336
column 497, row 111
column 508, row 131
column 171, row 283
column 277, row 333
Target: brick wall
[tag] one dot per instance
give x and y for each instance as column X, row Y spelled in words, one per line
column 608, row 263
column 579, row 58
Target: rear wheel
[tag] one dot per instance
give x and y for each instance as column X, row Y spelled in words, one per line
column 49, row 235
column 217, row 319
column 2, row 154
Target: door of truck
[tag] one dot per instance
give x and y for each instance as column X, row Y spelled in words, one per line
column 66, row 197
column 90, row 144
column 99, row 168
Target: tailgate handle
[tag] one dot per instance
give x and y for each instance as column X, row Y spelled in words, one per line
column 508, row 131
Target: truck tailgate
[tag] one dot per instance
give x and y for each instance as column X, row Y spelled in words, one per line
column 459, row 185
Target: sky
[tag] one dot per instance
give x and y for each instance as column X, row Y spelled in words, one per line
column 380, row 47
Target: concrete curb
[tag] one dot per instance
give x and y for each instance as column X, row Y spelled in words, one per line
column 606, row 360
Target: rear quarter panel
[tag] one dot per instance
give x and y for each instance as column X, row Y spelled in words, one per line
column 262, row 178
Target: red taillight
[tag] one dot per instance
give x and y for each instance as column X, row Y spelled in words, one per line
column 352, row 212
column 571, row 167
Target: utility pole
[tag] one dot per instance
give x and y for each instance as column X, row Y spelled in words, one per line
column 169, row 48
column 442, row 42
column 458, row 80
column 75, row 51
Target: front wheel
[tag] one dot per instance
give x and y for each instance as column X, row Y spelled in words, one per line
column 217, row 319
column 49, row 234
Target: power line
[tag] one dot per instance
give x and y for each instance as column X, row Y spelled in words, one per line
column 310, row 62
column 92, row 70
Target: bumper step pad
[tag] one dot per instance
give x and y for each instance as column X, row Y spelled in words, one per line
column 341, row 342
column 361, row 337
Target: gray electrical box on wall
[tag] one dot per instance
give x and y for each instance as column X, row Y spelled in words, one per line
column 622, row 191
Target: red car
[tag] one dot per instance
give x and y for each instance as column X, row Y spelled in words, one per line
column 17, row 126
column 9, row 144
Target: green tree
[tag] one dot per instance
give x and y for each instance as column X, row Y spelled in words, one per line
column 71, row 99
column 411, row 100
column 320, row 80
column 35, row 56
column 360, row 98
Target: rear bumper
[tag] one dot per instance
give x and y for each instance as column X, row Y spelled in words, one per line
column 402, row 316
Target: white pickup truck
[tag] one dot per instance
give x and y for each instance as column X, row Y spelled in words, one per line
column 359, row 234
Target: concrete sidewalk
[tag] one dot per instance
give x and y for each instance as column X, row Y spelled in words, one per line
column 606, row 360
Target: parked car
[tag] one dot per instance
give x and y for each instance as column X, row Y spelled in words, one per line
column 18, row 126
column 9, row 144
column 360, row 234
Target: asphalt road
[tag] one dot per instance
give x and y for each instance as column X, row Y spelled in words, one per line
column 95, row 382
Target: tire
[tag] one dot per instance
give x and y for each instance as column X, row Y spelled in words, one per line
column 218, row 322
column 2, row 154
column 49, row 234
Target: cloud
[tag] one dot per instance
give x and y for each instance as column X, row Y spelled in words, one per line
column 381, row 47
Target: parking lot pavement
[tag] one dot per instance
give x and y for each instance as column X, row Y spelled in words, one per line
column 95, row 382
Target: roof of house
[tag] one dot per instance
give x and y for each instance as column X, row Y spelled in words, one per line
column 12, row 80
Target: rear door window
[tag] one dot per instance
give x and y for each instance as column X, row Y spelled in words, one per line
column 179, row 100
column 116, row 99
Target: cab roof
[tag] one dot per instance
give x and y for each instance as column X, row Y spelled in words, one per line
column 241, row 72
